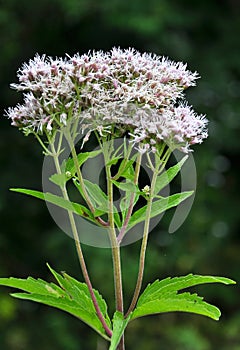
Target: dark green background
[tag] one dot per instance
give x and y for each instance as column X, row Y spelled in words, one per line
column 206, row 35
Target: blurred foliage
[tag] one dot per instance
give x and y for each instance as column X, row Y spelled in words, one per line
column 206, row 35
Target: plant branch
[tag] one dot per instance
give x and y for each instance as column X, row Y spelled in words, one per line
column 46, row 150
column 159, row 165
column 131, row 204
column 79, row 249
column 81, row 181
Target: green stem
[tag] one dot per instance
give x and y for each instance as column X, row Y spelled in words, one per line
column 131, row 204
column 79, row 249
column 157, row 169
column 123, row 165
column 114, row 244
column 46, row 150
column 143, row 249
column 81, row 181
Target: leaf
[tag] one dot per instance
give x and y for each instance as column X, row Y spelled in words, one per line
column 71, row 296
column 59, row 179
column 158, row 207
column 130, row 189
column 126, row 169
column 177, row 283
column 69, row 166
column 184, row 302
column 119, row 325
column 127, row 186
column 59, row 201
column 117, row 152
column 125, row 203
column 96, row 194
column 73, row 286
column 162, row 296
column 167, row 176
column 99, row 199
column 113, row 161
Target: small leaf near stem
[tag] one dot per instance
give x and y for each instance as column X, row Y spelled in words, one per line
column 123, row 164
column 159, row 165
column 119, row 325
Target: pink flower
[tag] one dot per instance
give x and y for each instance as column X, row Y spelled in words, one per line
column 137, row 93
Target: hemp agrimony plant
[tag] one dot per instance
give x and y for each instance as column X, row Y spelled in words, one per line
column 133, row 104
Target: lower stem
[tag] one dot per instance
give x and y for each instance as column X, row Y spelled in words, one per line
column 115, row 253
column 121, row 345
column 117, row 278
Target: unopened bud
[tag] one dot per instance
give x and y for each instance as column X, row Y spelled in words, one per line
column 68, row 174
column 146, row 190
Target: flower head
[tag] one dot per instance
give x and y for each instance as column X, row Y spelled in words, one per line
column 136, row 93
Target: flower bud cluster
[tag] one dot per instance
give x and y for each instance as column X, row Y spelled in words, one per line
column 139, row 94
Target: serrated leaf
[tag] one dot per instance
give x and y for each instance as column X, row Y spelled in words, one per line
column 58, row 201
column 185, row 302
column 162, row 296
column 71, row 296
column 74, row 287
column 167, row 176
column 32, row 285
column 178, row 283
column 119, row 325
column 158, row 207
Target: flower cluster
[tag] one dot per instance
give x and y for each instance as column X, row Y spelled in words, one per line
column 136, row 93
